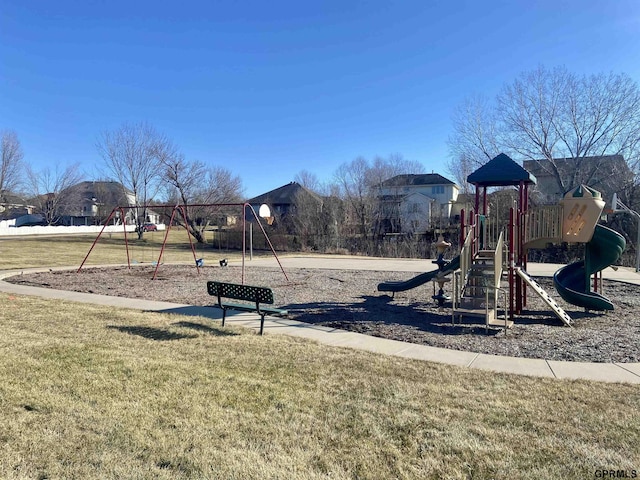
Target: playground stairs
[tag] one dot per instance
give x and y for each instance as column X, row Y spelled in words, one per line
column 551, row 303
column 479, row 296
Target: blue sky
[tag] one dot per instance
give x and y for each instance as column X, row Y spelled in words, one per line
column 267, row 89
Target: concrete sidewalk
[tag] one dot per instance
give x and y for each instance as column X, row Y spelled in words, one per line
column 605, row 372
column 623, row 274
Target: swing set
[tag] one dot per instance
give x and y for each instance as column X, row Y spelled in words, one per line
column 247, row 210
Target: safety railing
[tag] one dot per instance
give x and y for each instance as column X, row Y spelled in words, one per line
column 495, row 291
column 498, row 260
column 542, row 223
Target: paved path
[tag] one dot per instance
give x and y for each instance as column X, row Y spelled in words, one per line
column 606, row 372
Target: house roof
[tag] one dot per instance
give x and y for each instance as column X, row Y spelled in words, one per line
column 417, row 179
column 100, row 187
column 104, row 191
column 8, row 198
column 611, row 163
column 501, row 171
column 12, row 206
column 284, row 195
column 466, row 198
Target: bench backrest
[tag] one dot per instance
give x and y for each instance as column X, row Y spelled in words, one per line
column 240, row 292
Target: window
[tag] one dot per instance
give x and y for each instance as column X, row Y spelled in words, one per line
column 437, row 189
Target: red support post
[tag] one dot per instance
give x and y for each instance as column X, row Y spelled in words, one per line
column 126, row 239
column 97, row 238
column 474, row 233
column 462, row 227
column 193, row 250
column 525, row 208
column 244, row 236
column 268, row 241
column 484, row 200
column 164, row 242
column 520, row 256
column 511, row 263
column 477, row 203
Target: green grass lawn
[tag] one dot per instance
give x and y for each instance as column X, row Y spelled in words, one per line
column 99, row 392
column 25, row 252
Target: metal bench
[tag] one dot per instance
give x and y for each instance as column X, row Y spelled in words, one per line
column 249, row 293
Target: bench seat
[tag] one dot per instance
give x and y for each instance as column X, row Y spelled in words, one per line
column 249, row 293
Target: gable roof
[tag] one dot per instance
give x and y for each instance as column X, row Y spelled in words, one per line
column 605, row 173
column 104, row 191
column 501, row 171
column 610, row 163
column 420, row 195
column 416, row 180
column 8, row 198
column 402, row 197
column 284, row 195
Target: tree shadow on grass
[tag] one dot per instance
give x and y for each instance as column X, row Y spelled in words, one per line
column 151, row 332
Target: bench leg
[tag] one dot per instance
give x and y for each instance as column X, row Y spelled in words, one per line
column 224, row 314
column 261, row 324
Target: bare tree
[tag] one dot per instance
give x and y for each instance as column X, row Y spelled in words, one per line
column 307, row 220
column 566, row 123
column 352, row 179
column 221, row 186
column 461, row 167
column 382, row 169
column 475, row 138
column 308, row 180
column 334, row 219
column 560, row 120
column 359, row 183
column 51, row 190
column 132, row 156
column 194, row 183
column 11, row 156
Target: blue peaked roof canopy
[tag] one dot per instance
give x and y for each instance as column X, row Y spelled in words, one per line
column 501, row 171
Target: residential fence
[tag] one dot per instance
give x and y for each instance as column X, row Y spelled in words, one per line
column 7, row 230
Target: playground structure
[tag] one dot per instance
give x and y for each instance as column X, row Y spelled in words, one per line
column 492, row 249
column 246, row 209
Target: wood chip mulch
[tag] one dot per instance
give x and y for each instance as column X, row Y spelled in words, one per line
column 349, row 300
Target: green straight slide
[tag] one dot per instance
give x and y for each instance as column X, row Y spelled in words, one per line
column 401, row 286
column 573, row 281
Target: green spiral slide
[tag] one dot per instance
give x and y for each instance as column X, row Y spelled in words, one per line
column 573, row 281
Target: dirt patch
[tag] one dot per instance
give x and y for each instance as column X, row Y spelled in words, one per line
column 349, row 300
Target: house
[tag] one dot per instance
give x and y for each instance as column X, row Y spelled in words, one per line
column 413, row 203
column 608, row 174
column 91, row 202
column 284, row 200
column 13, row 206
column 307, row 220
column 465, row 201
